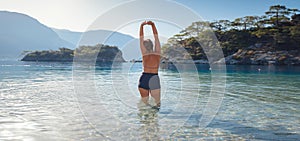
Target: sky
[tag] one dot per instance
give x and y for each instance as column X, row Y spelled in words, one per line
column 81, row 15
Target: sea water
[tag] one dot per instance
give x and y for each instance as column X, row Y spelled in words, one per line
column 60, row 101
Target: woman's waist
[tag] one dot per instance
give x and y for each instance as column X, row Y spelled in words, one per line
column 151, row 71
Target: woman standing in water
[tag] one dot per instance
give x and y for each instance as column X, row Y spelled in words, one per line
column 149, row 82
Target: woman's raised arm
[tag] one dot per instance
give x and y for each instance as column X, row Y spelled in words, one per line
column 143, row 49
column 156, row 40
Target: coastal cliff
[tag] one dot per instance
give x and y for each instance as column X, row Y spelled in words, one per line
column 269, row 39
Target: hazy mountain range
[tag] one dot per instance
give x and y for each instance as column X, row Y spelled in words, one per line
column 20, row 32
column 93, row 37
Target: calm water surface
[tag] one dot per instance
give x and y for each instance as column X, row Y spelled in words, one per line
column 51, row 101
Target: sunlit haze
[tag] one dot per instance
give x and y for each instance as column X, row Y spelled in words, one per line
column 79, row 15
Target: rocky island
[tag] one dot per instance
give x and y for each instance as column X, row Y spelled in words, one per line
column 103, row 53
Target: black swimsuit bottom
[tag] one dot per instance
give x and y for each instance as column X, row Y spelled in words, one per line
column 149, row 81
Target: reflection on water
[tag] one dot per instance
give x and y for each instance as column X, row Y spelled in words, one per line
column 148, row 120
column 37, row 102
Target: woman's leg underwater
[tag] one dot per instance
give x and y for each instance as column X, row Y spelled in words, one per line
column 156, row 95
column 145, row 95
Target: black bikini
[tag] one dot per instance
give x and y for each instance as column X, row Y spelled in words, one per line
column 149, row 81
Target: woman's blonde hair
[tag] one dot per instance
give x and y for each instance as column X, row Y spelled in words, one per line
column 148, row 44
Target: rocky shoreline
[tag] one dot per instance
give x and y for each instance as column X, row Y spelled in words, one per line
column 263, row 57
column 252, row 56
column 249, row 56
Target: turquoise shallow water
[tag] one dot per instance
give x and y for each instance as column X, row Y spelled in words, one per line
column 40, row 101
